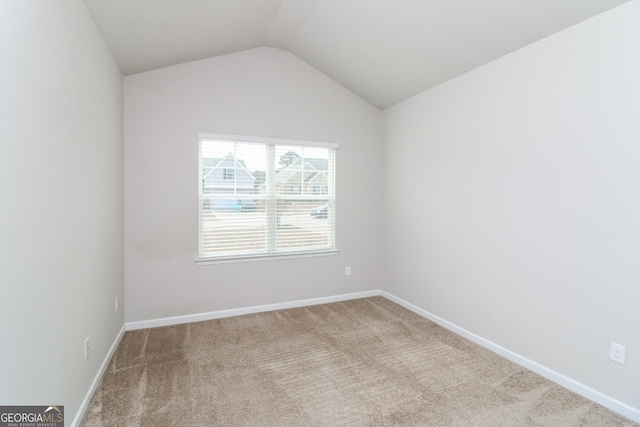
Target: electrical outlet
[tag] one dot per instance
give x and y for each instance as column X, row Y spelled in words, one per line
column 347, row 271
column 617, row 353
column 87, row 348
column 116, row 304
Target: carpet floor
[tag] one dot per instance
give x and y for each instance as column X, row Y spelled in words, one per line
column 366, row 362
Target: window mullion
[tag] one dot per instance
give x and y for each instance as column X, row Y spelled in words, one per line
column 271, row 205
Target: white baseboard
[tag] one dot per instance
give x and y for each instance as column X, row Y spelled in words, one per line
column 581, row 389
column 199, row 317
column 96, row 380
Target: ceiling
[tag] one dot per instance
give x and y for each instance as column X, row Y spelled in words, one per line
column 385, row 51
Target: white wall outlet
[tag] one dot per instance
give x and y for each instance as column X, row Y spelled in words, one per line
column 116, row 304
column 347, row 271
column 87, row 348
column 617, row 353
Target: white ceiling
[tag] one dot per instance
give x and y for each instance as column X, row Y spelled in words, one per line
column 385, row 51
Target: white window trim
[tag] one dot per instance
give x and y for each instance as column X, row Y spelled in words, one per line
column 266, row 256
column 265, row 140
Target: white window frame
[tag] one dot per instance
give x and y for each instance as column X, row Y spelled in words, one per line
column 265, row 141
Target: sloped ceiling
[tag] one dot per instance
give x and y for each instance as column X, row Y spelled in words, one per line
column 385, row 51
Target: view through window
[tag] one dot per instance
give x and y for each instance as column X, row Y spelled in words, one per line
column 264, row 196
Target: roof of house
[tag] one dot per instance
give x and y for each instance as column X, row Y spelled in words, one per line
column 316, row 165
column 211, row 163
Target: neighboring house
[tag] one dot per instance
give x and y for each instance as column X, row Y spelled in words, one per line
column 304, row 177
column 227, row 175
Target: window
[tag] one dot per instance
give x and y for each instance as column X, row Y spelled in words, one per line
column 228, row 173
column 320, row 189
column 265, row 197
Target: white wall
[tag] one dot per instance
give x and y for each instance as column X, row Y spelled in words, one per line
column 524, row 224
column 264, row 92
column 61, row 179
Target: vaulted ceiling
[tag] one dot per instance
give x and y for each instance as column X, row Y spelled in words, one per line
column 385, row 51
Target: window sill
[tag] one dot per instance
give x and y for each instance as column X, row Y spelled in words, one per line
column 252, row 258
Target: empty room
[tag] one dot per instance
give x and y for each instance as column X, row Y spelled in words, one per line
column 320, row 212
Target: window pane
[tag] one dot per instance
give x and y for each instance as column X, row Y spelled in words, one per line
column 303, row 224
column 232, row 211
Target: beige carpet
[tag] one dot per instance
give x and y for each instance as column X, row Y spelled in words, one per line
column 366, row 362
